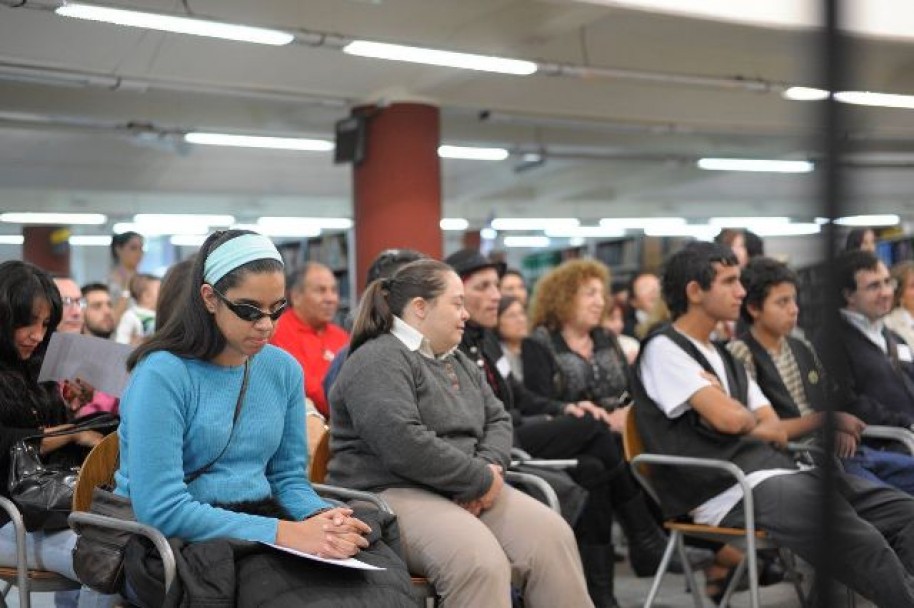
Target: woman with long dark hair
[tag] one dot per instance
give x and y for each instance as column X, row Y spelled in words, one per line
column 413, row 417
column 212, row 438
column 30, row 309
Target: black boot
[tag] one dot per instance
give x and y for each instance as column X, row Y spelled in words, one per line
column 598, row 571
column 647, row 541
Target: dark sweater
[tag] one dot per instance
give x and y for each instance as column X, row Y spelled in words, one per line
column 877, row 391
column 400, row 419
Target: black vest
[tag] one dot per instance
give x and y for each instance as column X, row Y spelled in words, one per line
column 771, row 383
column 683, row 489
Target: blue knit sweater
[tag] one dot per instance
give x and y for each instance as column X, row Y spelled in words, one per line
column 177, row 417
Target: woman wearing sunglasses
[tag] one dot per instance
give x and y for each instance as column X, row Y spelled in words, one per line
column 212, row 434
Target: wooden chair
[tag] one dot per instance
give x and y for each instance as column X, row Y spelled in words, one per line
column 748, row 539
column 98, row 471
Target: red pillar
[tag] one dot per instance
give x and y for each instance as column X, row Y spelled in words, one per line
column 47, row 247
column 397, row 187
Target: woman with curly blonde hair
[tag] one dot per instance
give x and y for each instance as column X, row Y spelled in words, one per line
column 586, row 361
column 571, row 357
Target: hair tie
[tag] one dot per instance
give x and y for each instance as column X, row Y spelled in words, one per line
column 385, row 283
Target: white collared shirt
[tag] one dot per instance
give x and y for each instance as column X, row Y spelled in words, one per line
column 413, row 339
column 872, row 330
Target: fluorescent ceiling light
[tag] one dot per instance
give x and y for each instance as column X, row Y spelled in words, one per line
column 881, row 100
column 790, row 229
column 889, row 219
column 11, row 239
column 414, row 54
column 470, row 153
column 188, row 240
column 192, row 218
column 640, row 223
column 488, row 233
column 90, row 240
column 534, row 223
column 860, row 98
column 254, row 141
column 161, row 229
column 176, row 24
column 755, row 165
column 454, row 223
column 748, row 222
column 54, row 218
column 530, row 242
column 297, row 223
column 585, row 232
column 702, row 232
column 279, row 231
column 804, row 94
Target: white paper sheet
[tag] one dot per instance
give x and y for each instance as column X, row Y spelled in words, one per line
column 101, row 363
column 346, row 563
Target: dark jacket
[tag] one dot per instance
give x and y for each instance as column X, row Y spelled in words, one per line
column 552, row 369
column 224, row 573
column 25, row 406
column 683, row 489
column 878, row 390
column 481, row 345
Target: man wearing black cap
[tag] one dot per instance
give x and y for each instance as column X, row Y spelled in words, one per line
column 542, row 429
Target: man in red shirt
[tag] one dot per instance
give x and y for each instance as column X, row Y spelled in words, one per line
column 305, row 330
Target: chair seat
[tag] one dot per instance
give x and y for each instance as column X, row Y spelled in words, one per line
column 40, row 580
column 701, row 529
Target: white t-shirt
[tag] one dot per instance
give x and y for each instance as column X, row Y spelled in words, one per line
column 670, row 378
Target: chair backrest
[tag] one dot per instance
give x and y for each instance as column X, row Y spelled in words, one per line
column 317, row 469
column 631, row 438
column 97, row 470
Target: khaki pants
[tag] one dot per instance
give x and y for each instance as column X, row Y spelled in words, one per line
column 473, row 561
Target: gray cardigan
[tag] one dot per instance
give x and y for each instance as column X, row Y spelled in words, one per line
column 401, row 419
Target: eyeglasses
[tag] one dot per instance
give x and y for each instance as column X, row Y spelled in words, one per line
column 249, row 313
column 875, row 286
column 70, row 301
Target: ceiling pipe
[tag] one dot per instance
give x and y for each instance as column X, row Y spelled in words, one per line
column 336, row 41
column 39, row 73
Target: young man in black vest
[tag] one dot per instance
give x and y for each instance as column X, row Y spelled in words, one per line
column 793, row 379
column 872, row 365
column 694, row 399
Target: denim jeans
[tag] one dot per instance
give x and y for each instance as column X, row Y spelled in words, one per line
column 52, row 551
column 890, row 468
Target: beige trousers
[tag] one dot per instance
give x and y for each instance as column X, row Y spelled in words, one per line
column 473, row 561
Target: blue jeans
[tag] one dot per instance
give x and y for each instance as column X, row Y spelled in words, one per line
column 889, row 468
column 52, row 551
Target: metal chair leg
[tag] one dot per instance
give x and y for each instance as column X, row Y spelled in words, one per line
column 689, row 573
column 661, row 570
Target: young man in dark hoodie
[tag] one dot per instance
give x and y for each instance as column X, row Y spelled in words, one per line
column 551, row 429
column 694, row 399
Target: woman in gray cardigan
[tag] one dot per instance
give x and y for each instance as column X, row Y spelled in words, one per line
column 414, row 419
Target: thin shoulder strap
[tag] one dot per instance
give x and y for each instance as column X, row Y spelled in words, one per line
column 238, row 404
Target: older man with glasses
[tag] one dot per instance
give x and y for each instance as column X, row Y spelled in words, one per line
column 73, row 305
column 874, row 366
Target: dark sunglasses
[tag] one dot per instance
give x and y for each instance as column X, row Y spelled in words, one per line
column 252, row 314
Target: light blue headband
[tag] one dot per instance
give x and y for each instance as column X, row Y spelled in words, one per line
column 233, row 253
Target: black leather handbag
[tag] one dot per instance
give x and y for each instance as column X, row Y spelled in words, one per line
column 41, row 487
